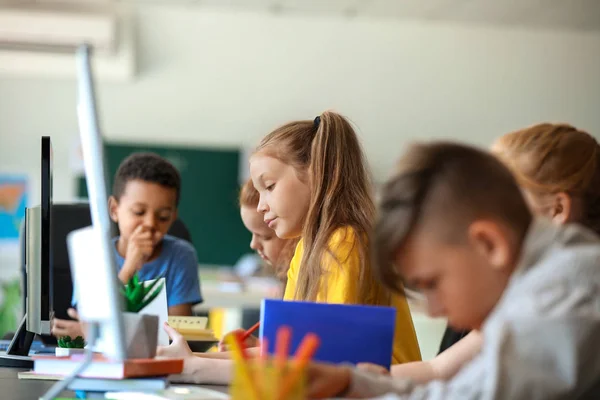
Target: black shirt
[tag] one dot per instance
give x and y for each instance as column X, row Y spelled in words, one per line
column 450, row 337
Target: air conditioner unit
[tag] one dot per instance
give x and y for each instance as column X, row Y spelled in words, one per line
column 41, row 42
column 47, row 29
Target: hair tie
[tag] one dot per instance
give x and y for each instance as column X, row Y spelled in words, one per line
column 317, row 122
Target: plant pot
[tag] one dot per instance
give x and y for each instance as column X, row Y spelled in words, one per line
column 67, row 352
column 141, row 335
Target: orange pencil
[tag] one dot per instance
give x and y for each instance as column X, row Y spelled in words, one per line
column 282, row 348
column 261, row 367
column 250, row 331
column 304, row 354
column 264, row 351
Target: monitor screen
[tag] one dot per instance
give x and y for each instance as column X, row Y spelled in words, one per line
column 46, row 272
column 37, row 242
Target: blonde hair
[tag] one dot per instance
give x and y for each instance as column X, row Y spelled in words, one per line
column 551, row 158
column 327, row 155
column 249, row 197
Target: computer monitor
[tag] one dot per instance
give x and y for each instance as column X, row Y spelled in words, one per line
column 39, row 301
column 105, row 310
column 36, row 245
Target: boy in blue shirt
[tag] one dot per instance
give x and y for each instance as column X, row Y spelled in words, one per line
column 144, row 204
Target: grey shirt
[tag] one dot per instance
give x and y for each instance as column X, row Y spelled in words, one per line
column 542, row 341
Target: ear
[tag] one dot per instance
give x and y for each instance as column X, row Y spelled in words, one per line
column 491, row 241
column 562, row 208
column 175, row 214
column 113, row 204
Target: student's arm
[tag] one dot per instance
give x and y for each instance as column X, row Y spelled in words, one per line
column 445, row 365
column 204, row 371
column 525, row 359
column 129, row 269
column 199, row 368
column 184, row 288
column 209, row 368
column 226, row 355
column 181, row 310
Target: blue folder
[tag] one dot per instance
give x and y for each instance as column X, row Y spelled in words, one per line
column 348, row 333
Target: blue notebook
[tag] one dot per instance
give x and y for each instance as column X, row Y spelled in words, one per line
column 348, row 333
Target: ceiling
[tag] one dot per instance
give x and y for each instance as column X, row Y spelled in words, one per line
column 581, row 15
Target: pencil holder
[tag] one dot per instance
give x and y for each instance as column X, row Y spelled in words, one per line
column 256, row 380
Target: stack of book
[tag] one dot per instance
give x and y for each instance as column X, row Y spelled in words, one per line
column 104, row 375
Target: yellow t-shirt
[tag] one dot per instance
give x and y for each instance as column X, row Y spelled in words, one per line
column 340, row 286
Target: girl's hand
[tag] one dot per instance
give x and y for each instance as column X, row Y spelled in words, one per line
column 177, row 349
column 251, row 341
column 196, row 370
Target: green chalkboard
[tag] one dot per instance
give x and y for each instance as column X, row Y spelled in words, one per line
column 208, row 204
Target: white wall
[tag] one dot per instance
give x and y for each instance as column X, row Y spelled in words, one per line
column 227, row 79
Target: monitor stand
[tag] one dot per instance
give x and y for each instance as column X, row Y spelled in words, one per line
column 17, row 354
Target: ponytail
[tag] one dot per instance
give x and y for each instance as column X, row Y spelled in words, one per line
column 327, row 155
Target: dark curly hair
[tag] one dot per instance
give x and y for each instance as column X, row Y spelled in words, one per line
column 147, row 167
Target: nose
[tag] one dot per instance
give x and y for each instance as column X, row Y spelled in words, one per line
column 262, row 205
column 150, row 221
column 434, row 308
column 254, row 245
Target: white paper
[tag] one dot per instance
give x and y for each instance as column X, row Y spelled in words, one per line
column 159, row 307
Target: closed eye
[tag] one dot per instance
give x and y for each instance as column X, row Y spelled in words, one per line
column 420, row 285
column 429, row 284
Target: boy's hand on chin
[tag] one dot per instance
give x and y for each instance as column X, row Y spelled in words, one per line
column 327, row 381
column 140, row 246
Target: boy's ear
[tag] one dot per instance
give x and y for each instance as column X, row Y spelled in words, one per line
column 562, row 208
column 113, row 204
column 491, row 241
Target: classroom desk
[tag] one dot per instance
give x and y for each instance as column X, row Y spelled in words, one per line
column 11, row 387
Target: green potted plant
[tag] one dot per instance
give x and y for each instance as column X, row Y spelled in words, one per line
column 141, row 330
column 67, row 346
column 137, row 295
